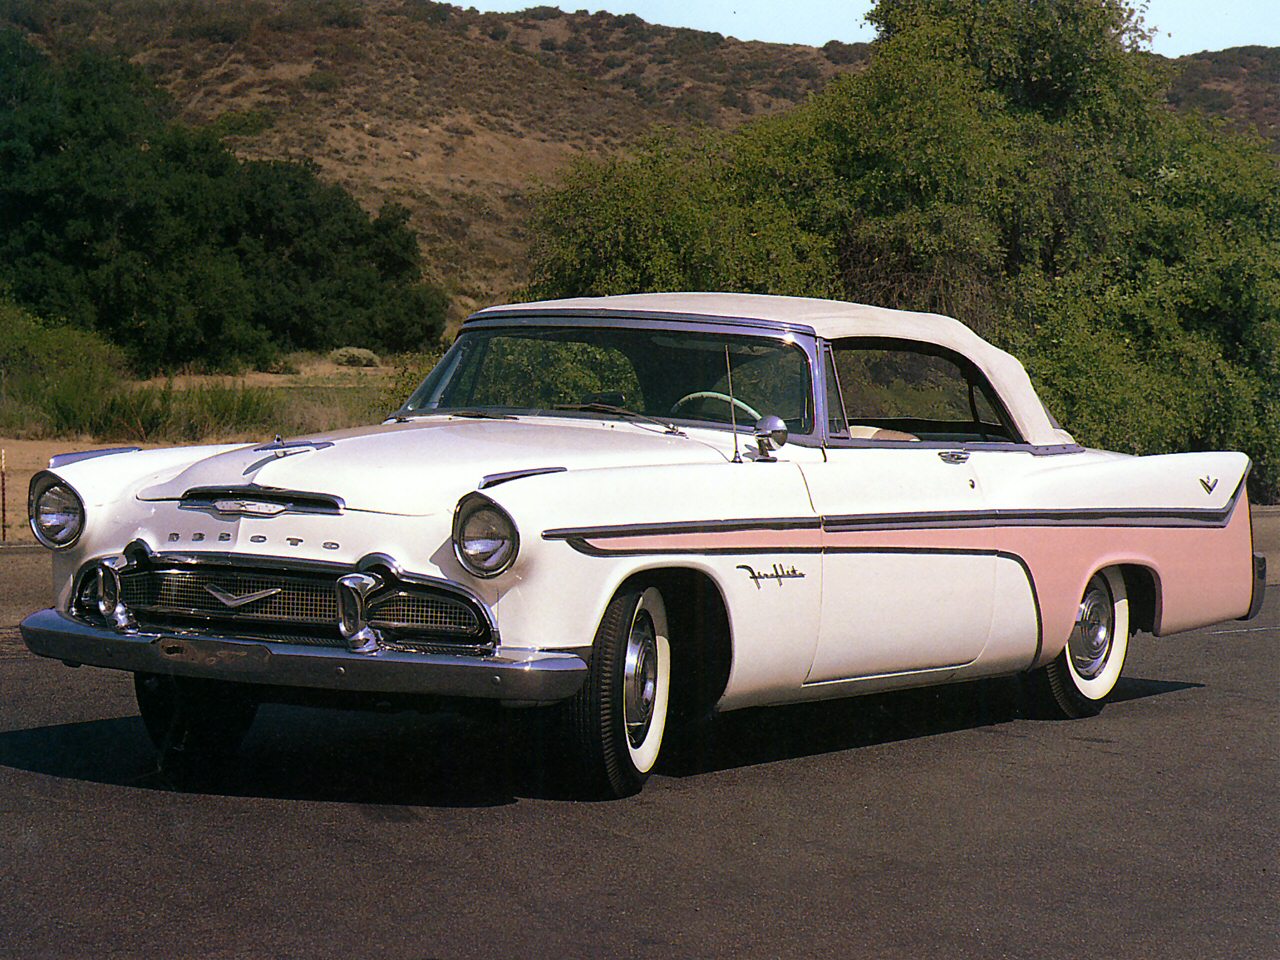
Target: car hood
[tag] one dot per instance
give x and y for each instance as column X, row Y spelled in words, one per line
column 423, row 466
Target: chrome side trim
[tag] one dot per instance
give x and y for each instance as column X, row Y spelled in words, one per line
column 493, row 479
column 971, row 446
column 1136, row 517
column 525, row 676
column 62, row 459
column 690, row 526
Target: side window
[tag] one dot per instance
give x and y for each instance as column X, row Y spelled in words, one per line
column 915, row 391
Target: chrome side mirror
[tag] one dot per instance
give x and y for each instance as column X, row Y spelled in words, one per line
column 770, row 433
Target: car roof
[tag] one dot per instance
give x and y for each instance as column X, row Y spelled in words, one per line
column 831, row 319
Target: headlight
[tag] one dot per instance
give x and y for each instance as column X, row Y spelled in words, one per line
column 57, row 513
column 484, row 536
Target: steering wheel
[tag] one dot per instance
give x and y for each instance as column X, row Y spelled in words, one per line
column 749, row 410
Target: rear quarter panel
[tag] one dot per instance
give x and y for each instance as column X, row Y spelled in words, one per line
column 1183, row 517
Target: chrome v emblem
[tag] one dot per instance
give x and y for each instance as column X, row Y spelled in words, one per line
column 234, row 602
column 1208, row 484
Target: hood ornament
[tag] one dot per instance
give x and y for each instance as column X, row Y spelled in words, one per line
column 283, row 448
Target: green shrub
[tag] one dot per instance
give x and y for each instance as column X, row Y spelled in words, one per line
column 242, row 123
column 215, row 22
column 54, row 379
column 322, row 81
column 156, row 236
column 354, row 357
column 343, row 14
column 428, row 11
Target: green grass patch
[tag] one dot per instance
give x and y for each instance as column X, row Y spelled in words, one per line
column 57, row 381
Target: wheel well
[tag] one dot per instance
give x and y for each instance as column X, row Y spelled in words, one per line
column 1144, row 597
column 701, row 647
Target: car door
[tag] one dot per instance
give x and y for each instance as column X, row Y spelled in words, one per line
column 902, row 591
column 909, row 564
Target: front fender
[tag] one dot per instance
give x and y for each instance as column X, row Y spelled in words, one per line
column 556, row 593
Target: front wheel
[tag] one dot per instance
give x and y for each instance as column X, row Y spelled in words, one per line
column 1077, row 683
column 619, row 716
column 191, row 719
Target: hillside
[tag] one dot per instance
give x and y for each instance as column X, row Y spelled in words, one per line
column 1241, row 84
column 456, row 114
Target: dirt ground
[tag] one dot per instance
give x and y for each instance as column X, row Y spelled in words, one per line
column 308, row 371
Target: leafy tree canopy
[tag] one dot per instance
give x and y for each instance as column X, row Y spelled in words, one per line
column 1007, row 162
column 117, row 219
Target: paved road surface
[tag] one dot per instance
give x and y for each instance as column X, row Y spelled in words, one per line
column 927, row 824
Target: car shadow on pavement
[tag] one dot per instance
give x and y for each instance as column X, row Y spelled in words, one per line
column 408, row 759
column 393, row 762
column 768, row 734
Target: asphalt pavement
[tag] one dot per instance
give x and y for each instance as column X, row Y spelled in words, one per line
column 935, row 823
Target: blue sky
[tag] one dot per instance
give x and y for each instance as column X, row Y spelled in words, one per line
column 1184, row 26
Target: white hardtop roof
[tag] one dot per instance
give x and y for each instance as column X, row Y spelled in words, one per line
column 834, row 320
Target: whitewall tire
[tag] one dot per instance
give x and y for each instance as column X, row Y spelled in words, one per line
column 1081, row 678
column 619, row 717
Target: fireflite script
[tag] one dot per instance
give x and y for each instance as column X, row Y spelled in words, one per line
column 777, row 574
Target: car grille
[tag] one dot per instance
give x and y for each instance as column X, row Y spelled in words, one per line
column 195, row 593
column 285, row 606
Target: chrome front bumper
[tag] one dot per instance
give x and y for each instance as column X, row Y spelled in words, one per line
column 525, row 676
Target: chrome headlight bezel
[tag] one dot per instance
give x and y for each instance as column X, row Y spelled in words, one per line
column 476, row 508
column 45, row 485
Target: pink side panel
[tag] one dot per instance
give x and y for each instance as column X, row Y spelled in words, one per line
column 1203, row 574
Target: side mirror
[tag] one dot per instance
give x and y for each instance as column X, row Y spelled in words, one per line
column 770, row 433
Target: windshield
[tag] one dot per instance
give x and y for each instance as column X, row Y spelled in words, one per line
column 671, row 375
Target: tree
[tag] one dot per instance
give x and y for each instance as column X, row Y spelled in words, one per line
column 120, row 220
column 1008, row 162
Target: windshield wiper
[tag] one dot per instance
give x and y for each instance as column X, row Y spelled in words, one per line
column 597, row 407
column 475, row 414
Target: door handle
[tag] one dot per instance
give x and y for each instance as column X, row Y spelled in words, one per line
column 953, row 456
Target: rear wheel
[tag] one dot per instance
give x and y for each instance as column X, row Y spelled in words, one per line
column 193, row 719
column 1078, row 682
column 619, row 716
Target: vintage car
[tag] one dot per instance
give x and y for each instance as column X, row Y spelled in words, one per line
column 639, row 508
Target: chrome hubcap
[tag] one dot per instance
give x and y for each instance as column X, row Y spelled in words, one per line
column 640, row 678
column 1091, row 641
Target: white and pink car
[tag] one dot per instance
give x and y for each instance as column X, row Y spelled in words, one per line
column 633, row 509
